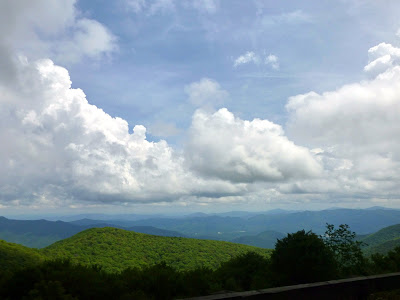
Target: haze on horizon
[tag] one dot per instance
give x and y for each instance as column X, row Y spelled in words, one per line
column 204, row 105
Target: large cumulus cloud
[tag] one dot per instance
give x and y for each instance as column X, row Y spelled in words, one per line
column 224, row 146
column 59, row 150
column 46, row 28
column 356, row 129
column 58, row 145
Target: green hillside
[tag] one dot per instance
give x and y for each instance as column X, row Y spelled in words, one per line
column 383, row 240
column 383, row 248
column 116, row 249
column 383, row 235
column 14, row 256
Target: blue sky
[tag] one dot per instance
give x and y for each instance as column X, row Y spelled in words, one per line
column 203, row 105
column 320, row 46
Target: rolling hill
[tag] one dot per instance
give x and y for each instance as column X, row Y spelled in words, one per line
column 384, row 235
column 383, row 240
column 116, row 249
column 14, row 257
column 383, row 248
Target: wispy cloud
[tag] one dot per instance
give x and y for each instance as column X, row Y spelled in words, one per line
column 136, row 5
column 294, row 17
column 246, row 58
column 206, row 93
column 252, row 57
column 272, row 60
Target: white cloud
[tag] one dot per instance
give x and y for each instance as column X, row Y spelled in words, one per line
column 273, row 61
column 46, row 28
column 91, row 39
column 246, row 58
column 62, row 147
column 381, row 58
column 20, row 18
column 136, row 5
column 63, row 151
column 206, row 93
column 356, row 126
column 161, row 6
column 252, row 57
column 226, row 147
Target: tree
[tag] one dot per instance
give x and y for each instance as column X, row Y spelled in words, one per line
column 302, row 257
column 244, row 272
column 386, row 263
column 347, row 250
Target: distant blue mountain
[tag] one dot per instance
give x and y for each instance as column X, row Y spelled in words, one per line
column 226, row 226
column 265, row 239
column 41, row 233
column 361, row 221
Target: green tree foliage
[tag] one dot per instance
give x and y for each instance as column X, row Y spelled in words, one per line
column 347, row 250
column 160, row 281
column 302, row 257
column 382, row 241
column 382, row 248
column 58, row 279
column 383, row 235
column 117, row 249
column 14, row 257
column 244, row 272
column 61, row 279
column 386, row 263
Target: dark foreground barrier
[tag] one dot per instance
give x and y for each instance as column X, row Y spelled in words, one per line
column 351, row 288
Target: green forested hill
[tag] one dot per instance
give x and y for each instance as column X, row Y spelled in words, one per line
column 383, row 248
column 116, row 249
column 383, row 240
column 383, row 235
column 14, row 256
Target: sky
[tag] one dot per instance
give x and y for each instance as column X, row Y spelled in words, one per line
column 151, row 106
